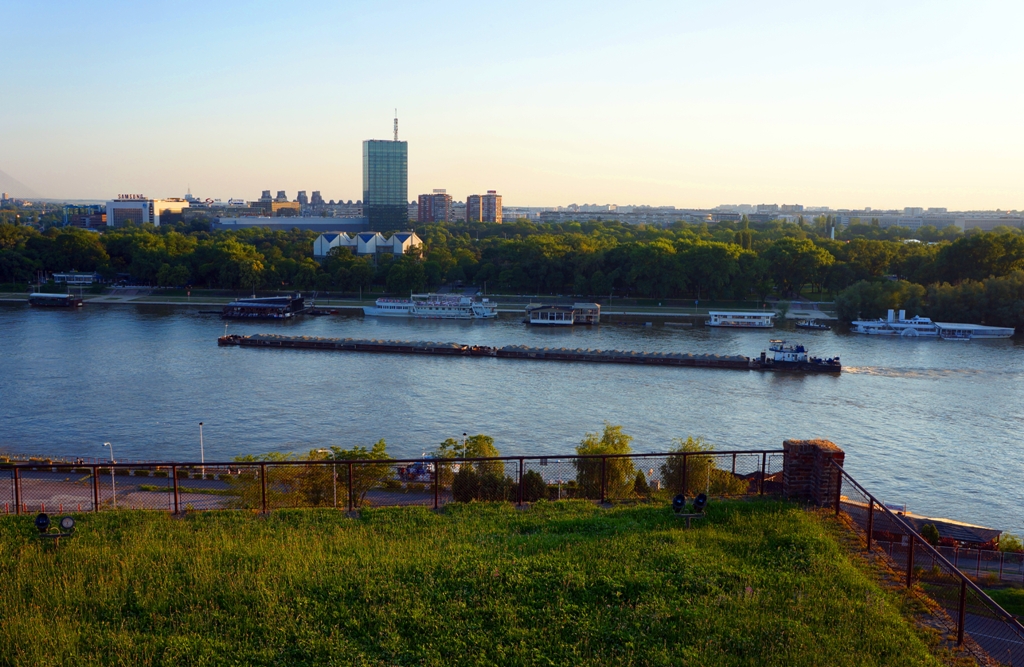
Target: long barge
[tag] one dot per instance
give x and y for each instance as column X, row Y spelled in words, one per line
column 736, row 362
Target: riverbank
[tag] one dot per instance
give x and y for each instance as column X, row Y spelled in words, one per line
column 512, row 306
column 760, row 582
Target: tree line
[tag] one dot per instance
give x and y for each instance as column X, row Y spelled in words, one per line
column 729, row 260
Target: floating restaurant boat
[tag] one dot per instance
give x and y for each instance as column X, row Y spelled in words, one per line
column 44, row 300
column 781, row 356
column 434, row 306
column 563, row 316
column 741, row 319
column 918, row 326
column 265, row 308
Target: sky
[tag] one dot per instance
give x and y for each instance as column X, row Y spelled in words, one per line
column 684, row 103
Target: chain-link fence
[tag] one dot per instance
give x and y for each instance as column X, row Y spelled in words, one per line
column 351, row 484
column 968, row 614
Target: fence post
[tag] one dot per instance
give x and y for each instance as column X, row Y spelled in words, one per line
column 871, row 520
column 519, row 501
column 437, row 474
column 604, row 476
column 351, row 497
column 977, row 573
column 263, row 486
column 839, row 488
column 1002, row 557
column 961, row 616
column 17, row 491
column 910, row 561
column 764, row 471
column 95, row 488
column 174, row 476
column 734, row 463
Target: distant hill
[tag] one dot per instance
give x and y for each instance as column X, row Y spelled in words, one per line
column 16, row 188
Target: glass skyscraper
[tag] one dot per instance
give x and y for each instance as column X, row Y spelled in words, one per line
column 386, row 184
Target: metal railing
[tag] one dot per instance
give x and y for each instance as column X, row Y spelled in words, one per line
column 968, row 611
column 350, row 484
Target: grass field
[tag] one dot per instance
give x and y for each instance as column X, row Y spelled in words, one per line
column 755, row 583
column 1010, row 599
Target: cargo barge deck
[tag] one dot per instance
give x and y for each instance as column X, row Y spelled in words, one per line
column 735, row 362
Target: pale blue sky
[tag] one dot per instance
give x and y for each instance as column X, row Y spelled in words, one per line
column 884, row 104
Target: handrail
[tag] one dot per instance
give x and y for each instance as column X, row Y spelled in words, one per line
column 425, row 459
column 917, row 538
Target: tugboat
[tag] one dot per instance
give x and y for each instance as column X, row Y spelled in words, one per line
column 783, row 357
column 812, row 325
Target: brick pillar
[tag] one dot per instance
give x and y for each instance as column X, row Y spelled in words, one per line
column 807, row 474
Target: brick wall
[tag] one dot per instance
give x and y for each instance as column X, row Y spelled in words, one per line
column 807, row 474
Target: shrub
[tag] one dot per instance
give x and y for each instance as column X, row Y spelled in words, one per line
column 702, row 476
column 640, row 486
column 1010, row 543
column 160, row 473
column 618, row 472
column 534, row 487
column 930, row 533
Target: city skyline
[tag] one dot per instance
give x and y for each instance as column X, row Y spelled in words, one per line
column 688, row 106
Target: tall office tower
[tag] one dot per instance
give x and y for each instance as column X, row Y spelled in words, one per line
column 302, row 198
column 436, row 207
column 317, row 200
column 281, row 196
column 265, row 197
column 484, row 208
column 386, row 183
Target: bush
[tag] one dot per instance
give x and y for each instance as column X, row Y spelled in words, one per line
column 930, row 533
column 1010, row 543
column 618, row 473
column 141, row 473
column 702, row 476
column 640, row 486
column 469, row 485
column 160, row 473
column 534, row 487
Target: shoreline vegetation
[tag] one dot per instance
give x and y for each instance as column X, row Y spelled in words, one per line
column 944, row 274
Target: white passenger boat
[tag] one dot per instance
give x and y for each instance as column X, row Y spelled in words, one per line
column 897, row 326
column 915, row 327
column 434, row 306
column 741, row 319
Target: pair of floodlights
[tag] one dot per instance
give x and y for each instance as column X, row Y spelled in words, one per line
column 65, row 527
column 699, row 504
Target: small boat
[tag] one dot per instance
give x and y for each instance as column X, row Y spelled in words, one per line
column 781, row 356
column 812, row 325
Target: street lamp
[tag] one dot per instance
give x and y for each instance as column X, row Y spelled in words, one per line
column 202, row 453
column 334, row 473
column 113, row 489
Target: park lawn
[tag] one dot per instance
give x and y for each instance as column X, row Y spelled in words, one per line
column 756, row 583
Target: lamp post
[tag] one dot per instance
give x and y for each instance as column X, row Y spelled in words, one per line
column 202, row 452
column 334, row 474
column 113, row 489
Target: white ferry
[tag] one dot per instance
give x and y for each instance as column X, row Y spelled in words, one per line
column 741, row 319
column 915, row 327
column 434, row 306
column 896, row 326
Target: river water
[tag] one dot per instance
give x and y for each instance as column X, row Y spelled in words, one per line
column 936, row 425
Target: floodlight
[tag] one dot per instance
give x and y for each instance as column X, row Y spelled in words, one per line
column 679, row 503
column 67, row 524
column 699, row 503
column 42, row 522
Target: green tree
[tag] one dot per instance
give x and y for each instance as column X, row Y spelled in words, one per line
column 365, row 476
column 618, row 472
column 691, row 469
column 1010, row 543
column 931, row 534
column 794, row 262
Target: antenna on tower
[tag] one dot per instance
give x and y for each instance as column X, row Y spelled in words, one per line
column 396, row 124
